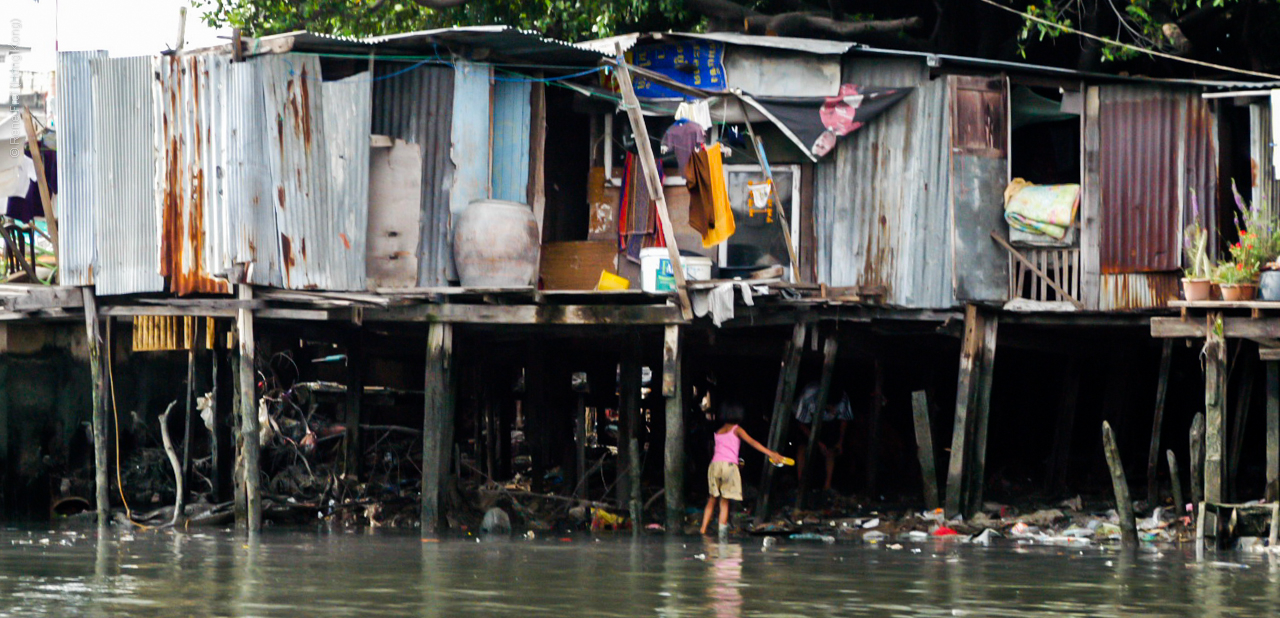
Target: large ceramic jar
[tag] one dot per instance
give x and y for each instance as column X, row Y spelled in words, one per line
column 495, row 245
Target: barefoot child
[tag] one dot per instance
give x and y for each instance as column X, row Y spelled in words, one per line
column 722, row 476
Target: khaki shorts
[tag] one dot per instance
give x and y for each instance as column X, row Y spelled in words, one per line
column 724, row 480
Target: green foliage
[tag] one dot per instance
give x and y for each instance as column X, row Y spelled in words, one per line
column 564, row 19
column 1142, row 22
column 1235, row 272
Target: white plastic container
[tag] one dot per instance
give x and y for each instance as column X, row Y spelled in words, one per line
column 656, row 274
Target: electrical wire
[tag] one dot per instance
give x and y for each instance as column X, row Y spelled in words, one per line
column 115, row 414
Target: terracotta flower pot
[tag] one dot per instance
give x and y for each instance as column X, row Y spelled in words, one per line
column 1238, row 291
column 1196, row 289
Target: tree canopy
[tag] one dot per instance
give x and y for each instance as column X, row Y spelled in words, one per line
column 1234, row 33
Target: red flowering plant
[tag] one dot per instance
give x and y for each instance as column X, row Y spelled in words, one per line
column 1258, row 244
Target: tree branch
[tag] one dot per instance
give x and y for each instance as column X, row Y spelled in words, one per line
column 440, row 4
column 810, row 25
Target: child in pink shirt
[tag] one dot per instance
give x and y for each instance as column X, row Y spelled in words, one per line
column 723, row 478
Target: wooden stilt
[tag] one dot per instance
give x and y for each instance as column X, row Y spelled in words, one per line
column 1273, row 431
column 1157, row 421
column 1240, row 420
column 239, row 497
column 1215, row 401
column 1176, row 480
column 537, row 423
column 580, row 438
column 629, row 423
column 100, row 396
column 829, row 350
column 966, row 400
column 249, row 414
column 1124, row 504
column 924, row 448
column 872, row 452
column 197, row 328
column 1197, row 458
column 436, row 450
column 673, row 460
column 218, row 375
column 781, row 416
column 353, row 453
column 1060, row 455
column 986, row 368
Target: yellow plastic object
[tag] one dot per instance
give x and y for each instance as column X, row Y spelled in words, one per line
column 786, row 461
column 610, row 282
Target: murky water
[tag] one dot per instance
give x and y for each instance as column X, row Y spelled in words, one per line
column 307, row 574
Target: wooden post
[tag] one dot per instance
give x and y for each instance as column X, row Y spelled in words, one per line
column 353, row 454
column 1060, row 455
column 1153, row 455
column 197, row 324
column 652, row 180
column 1273, row 431
column 1215, row 401
column 829, row 349
column 986, row 373
column 99, row 395
column 220, row 397
column 1240, row 420
column 438, row 407
column 42, row 183
column 1197, row 458
column 966, row 404
column 629, row 424
column 924, row 448
column 249, row 413
column 782, row 402
column 580, row 437
column 872, row 453
column 537, row 417
column 1124, row 505
column 673, row 460
column 1179, row 506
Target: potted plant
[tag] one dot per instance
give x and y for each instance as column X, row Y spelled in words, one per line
column 1236, row 280
column 1196, row 280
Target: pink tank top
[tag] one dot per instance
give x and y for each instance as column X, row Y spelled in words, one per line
column 727, row 447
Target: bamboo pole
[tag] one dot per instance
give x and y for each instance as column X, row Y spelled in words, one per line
column 42, row 183
column 781, row 416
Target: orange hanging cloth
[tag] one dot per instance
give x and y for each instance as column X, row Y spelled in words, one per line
column 709, row 211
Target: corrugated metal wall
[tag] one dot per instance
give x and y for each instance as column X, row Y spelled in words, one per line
column 1157, row 145
column 250, row 220
column 124, row 213
column 76, row 247
column 417, row 107
column 511, row 140
column 881, row 202
column 1266, row 189
column 347, row 112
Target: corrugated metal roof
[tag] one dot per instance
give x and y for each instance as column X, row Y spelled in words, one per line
column 125, row 226
column 76, row 247
column 608, row 46
column 1157, row 146
column 503, row 42
column 418, row 107
column 881, row 203
column 510, row 177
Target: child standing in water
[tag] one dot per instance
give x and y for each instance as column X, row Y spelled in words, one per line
column 723, row 478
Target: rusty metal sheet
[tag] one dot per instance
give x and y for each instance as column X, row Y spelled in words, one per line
column 1157, row 146
column 979, row 174
column 250, row 217
column 346, row 106
column 76, row 247
column 1135, row 291
column 881, row 200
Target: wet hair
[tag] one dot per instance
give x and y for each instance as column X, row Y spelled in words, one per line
column 732, row 411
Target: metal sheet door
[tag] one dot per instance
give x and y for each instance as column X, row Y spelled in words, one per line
column 979, row 173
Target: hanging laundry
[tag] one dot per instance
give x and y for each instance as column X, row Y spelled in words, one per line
column 695, row 111
column 683, row 138
column 638, row 226
column 709, row 210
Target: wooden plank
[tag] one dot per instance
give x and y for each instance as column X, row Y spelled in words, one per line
column 1269, row 354
column 1273, row 431
column 1240, row 421
column 248, row 439
column 829, row 349
column 439, row 402
column 966, row 395
column 781, row 415
column 42, row 183
column 1157, row 421
column 673, row 456
column 986, row 368
column 654, row 183
column 99, row 395
column 1124, row 505
column 1091, row 202
column 554, row 315
column 924, row 448
column 1232, row 327
column 1215, row 401
column 1044, row 278
column 1196, row 466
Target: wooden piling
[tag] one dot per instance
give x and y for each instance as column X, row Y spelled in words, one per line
column 986, row 372
column 252, row 470
column 966, row 404
column 580, row 438
column 100, row 398
column 673, row 459
column 1240, row 419
column 1197, row 458
column 782, row 405
column 924, row 448
column 872, row 452
column 437, row 413
column 1175, row 480
column 1124, row 504
column 353, row 454
column 1060, row 454
column 1273, row 431
column 1157, row 421
column 629, row 423
column 830, row 348
column 1215, row 401
column 536, row 411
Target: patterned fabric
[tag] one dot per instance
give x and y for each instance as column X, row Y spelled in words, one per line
column 809, row 402
column 1041, row 209
column 638, row 226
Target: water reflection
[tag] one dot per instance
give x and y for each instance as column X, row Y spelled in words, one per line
column 725, row 560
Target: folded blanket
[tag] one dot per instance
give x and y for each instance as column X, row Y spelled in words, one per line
column 1041, row 209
